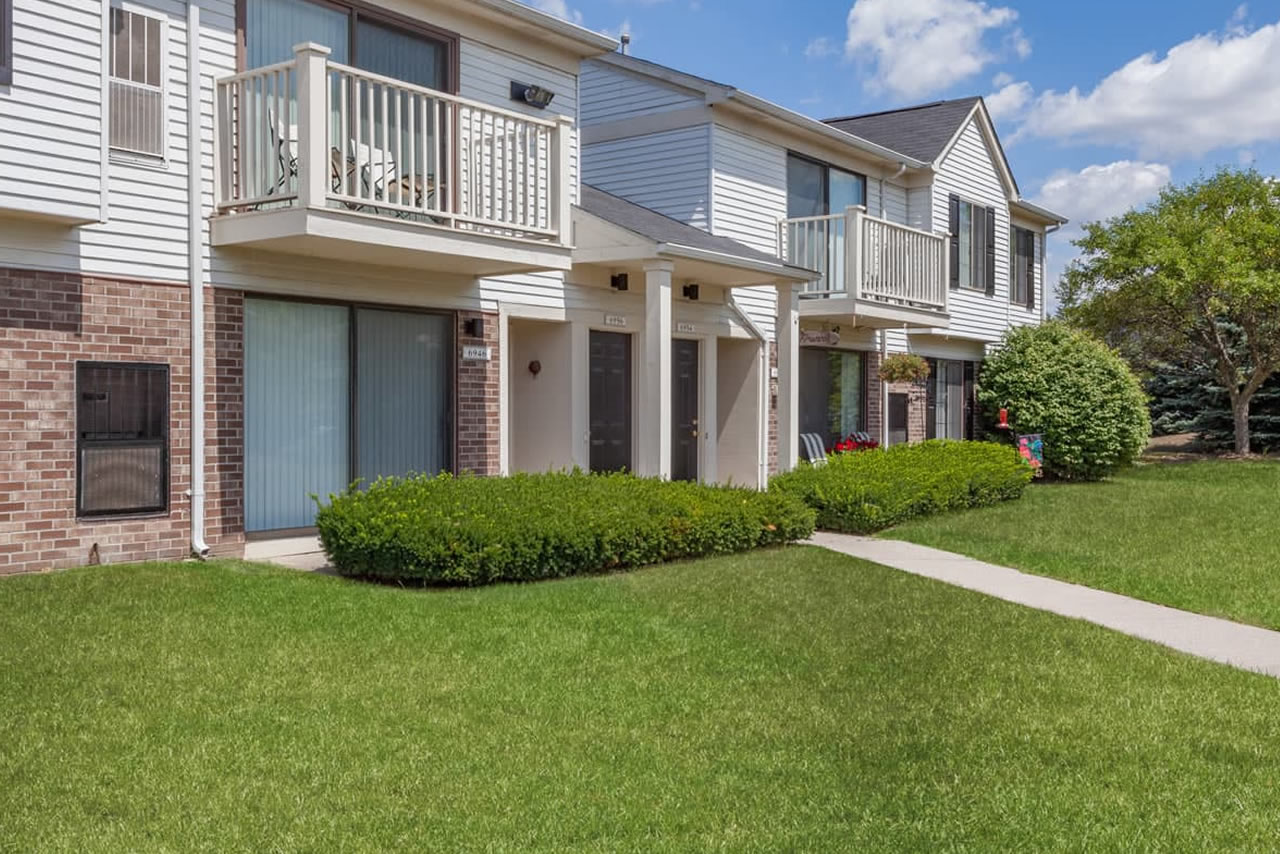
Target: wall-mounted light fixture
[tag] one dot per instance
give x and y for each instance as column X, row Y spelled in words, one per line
column 535, row 367
column 690, row 292
column 619, row 282
column 533, row 95
column 473, row 327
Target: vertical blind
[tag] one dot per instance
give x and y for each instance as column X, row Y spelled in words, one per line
column 296, row 387
column 403, row 392
column 335, row 394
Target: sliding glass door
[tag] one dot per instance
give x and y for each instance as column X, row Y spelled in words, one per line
column 335, row 394
column 402, row 393
column 296, row 410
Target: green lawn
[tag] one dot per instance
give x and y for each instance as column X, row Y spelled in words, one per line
column 788, row 700
column 1199, row 536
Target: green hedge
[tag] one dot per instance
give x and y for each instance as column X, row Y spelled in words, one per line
column 469, row 530
column 872, row 490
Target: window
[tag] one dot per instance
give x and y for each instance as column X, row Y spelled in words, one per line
column 832, row 394
column 6, row 42
column 138, row 67
column 398, row 48
column 1022, row 262
column 816, row 189
column 973, row 246
column 122, row 438
column 950, row 402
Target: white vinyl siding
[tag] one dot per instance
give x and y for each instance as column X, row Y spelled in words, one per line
column 969, row 171
column 749, row 199
column 51, row 117
column 669, row 172
column 610, row 94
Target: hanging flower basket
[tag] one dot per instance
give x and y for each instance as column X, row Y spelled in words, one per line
column 904, row 368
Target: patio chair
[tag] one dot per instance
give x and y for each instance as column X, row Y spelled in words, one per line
column 813, row 448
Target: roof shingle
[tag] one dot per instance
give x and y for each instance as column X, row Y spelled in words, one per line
column 921, row 132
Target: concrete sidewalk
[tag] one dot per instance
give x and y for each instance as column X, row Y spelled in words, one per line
column 1245, row 647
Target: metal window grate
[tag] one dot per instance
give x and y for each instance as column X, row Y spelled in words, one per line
column 122, row 438
column 136, row 94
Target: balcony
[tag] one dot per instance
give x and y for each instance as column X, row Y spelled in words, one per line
column 321, row 159
column 873, row 272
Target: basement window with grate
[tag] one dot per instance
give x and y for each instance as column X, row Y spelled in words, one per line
column 122, row 438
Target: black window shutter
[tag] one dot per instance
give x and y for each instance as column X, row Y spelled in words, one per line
column 1031, row 269
column 970, row 400
column 991, row 251
column 954, row 228
column 863, row 425
column 931, row 399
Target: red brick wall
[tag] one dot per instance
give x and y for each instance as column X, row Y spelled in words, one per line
column 479, row 420
column 875, row 394
column 48, row 322
column 224, row 421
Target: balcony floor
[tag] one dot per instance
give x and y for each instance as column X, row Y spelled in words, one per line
column 370, row 238
column 875, row 314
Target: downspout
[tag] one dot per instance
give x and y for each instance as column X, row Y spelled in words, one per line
column 195, row 279
column 762, row 391
column 902, row 168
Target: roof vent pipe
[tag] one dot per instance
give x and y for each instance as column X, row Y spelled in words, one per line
column 624, row 42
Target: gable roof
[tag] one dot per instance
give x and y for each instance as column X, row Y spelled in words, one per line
column 922, row 132
column 661, row 228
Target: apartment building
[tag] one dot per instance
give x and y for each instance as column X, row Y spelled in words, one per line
column 912, row 219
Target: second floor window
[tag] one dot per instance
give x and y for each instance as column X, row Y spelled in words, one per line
column 137, row 96
column 816, row 189
column 1022, row 263
column 973, row 246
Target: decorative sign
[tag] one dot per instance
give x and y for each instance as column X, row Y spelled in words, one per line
column 617, row 320
column 686, row 328
column 819, row 338
column 1032, row 449
column 475, row 353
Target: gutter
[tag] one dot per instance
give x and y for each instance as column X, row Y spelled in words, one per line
column 195, row 279
column 785, row 271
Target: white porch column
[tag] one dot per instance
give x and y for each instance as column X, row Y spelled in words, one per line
column 788, row 336
column 709, row 417
column 580, row 374
column 653, row 421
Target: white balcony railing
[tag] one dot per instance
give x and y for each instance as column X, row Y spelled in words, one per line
column 868, row 258
column 313, row 133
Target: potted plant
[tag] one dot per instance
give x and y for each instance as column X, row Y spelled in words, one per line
column 904, row 368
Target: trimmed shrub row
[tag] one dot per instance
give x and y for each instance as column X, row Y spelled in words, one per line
column 869, row 491
column 470, row 530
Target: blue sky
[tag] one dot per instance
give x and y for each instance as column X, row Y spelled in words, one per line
column 1098, row 104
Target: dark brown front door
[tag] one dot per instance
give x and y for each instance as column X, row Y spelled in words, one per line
column 684, row 409
column 610, row 401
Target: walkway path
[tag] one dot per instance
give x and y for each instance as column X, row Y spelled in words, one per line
column 1245, row 647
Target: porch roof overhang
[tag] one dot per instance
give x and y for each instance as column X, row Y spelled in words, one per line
column 1035, row 212
column 613, row 233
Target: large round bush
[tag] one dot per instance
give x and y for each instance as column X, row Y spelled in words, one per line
column 1075, row 391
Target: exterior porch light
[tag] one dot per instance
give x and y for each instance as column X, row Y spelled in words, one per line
column 534, row 96
column 619, row 282
column 473, row 327
column 690, row 292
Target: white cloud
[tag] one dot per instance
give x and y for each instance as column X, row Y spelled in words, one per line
column 1092, row 194
column 920, row 46
column 1009, row 101
column 1002, row 80
column 559, row 8
column 1246, row 157
column 623, row 29
column 819, row 48
column 1205, row 93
